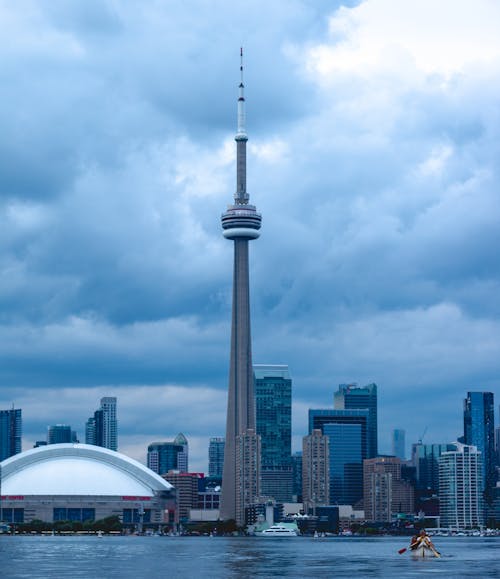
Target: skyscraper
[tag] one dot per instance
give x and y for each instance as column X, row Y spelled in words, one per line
column 273, row 401
column 11, row 429
column 102, row 428
column 216, row 456
column 165, row 456
column 460, row 488
column 479, row 431
column 347, row 431
column 240, row 224
column 352, row 396
column 398, row 443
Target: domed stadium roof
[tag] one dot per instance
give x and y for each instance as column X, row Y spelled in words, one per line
column 77, row 469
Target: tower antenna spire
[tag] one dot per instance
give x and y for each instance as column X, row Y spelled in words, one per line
column 241, row 134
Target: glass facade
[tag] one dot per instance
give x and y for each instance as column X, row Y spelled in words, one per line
column 398, row 443
column 12, row 515
column 352, row 397
column 425, row 459
column 273, row 409
column 216, row 456
column 10, row 432
column 73, row 514
column 479, row 431
column 346, row 463
column 347, row 431
column 164, row 456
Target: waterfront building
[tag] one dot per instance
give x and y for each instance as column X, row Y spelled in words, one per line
column 399, row 443
column 297, row 476
column 241, row 224
column 216, row 456
column 247, row 477
column 385, row 494
column 479, row 431
column 11, row 429
column 425, row 459
column 168, row 456
column 346, row 462
column 354, row 397
column 102, row 428
column 187, row 487
column 60, row 433
column 79, row 482
column 273, row 403
column 460, row 488
column 315, row 470
column 348, row 434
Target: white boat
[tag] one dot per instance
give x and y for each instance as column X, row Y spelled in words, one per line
column 424, row 548
column 277, row 531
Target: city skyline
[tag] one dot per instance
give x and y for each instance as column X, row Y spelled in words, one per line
column 373, row 158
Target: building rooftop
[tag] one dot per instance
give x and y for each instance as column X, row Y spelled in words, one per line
column 78, row 469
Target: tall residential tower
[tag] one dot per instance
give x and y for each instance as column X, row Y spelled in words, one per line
column 240, row 224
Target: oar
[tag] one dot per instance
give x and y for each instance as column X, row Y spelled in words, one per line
column 401, row 551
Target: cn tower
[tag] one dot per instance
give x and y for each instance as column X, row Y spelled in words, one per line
column 240, row 224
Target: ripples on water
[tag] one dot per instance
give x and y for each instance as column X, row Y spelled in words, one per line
column 220, row 557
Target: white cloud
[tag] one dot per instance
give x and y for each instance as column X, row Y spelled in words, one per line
column 443, row 37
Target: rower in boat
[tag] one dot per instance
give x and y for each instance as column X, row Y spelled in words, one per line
column 422, row 546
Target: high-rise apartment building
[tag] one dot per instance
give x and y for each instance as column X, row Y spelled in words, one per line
column 385, row 493
column 248, row 473
column 460, row 488
column 61, row 433
column 11, row 430
column 216, row 456
column 479, row 431
column 273, row 409
column 241, row 224
column 315, row 470
column 399, row 443
column 347, row 431
column 102, row 428
column 354, row 397
column 165, row 456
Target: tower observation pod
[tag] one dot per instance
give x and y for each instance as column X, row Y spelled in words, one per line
column 240, row 223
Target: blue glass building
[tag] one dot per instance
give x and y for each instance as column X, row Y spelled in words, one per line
column 479, row 431
column 347, row 431
column 354, row 397
column 216, row 456
column 273, row 419
column 11, row 428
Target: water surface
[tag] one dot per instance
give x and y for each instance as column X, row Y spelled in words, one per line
column 37, row 557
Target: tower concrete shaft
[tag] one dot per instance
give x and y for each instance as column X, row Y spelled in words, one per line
column 240, row 223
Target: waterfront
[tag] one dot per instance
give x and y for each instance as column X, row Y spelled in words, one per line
column 40, row 557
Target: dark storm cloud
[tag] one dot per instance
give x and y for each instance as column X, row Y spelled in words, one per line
column 377, row 179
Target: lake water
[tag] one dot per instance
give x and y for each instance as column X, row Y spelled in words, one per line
column 246, row 557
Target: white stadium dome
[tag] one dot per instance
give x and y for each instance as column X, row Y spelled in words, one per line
column 78, row 469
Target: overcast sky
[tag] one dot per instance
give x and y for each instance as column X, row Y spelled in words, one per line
column 373, row 157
